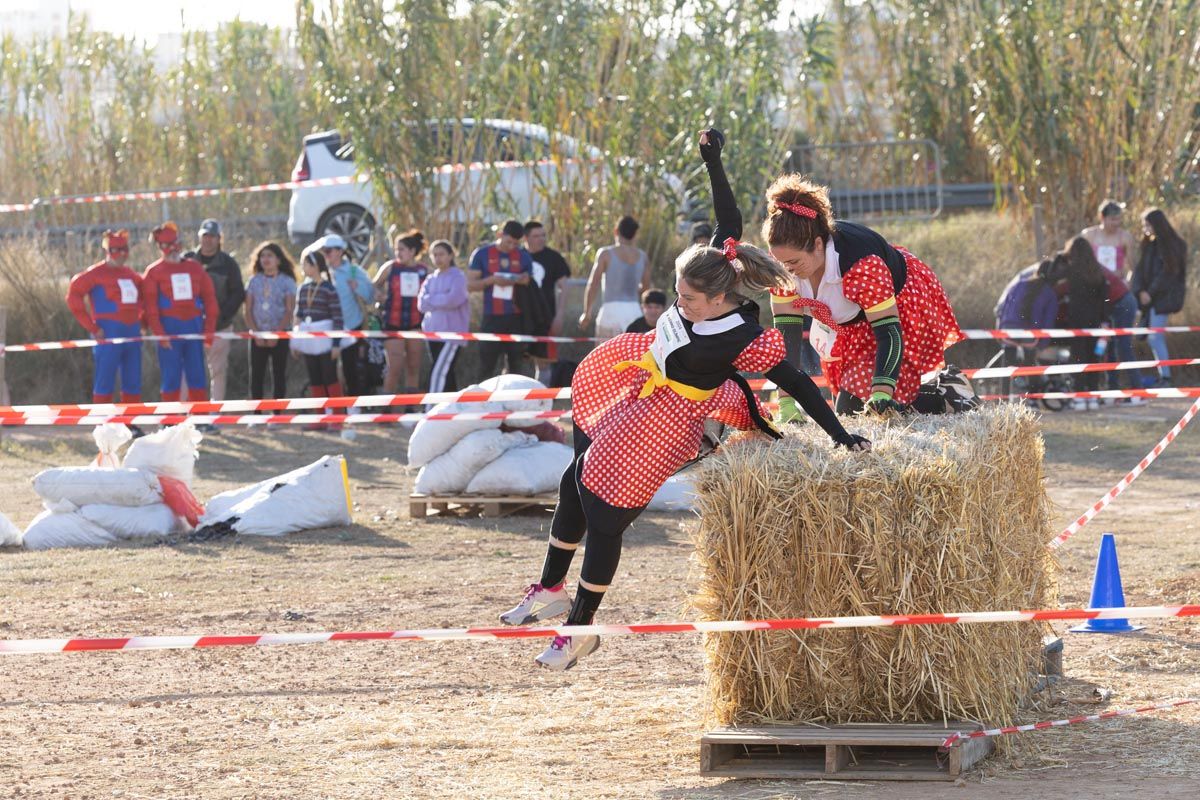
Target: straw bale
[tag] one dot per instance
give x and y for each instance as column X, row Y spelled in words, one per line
column 946, row 514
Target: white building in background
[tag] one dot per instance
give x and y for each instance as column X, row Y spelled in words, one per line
column 27, row 18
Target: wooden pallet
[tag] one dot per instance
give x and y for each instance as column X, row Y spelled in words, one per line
column 841, row 752
column 423, row 505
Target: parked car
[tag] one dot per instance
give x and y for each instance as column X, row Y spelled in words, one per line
column 516, row 154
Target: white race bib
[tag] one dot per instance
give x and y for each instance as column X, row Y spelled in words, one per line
column 129, row 292
column 502, row 291
column 410, row 284
column 669, row 336
column 1106, row 254
column 822, row 338
column 181, row 286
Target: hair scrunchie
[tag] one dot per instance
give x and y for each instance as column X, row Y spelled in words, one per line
column 731, row 254
column 798, row 210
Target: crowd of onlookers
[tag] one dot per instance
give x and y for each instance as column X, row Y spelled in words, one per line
column 1104, row 277
column 201, row 291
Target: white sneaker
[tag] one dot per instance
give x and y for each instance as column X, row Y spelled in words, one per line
column 565, row 651
column 538, row 604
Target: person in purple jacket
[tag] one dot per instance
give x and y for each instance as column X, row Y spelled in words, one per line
column 444, row 302
column 1029, row 300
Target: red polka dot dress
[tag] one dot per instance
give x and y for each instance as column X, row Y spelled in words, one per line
column 641, row 435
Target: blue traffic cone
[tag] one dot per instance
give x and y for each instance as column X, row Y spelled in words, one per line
column 1107, row 592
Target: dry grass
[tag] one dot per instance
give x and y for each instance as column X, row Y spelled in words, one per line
column 930, row 521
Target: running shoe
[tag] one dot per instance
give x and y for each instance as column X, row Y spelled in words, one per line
column 538, row 604
column 565, row 651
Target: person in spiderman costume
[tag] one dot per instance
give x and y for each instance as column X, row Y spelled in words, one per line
column 114, row 293
column 179, row 298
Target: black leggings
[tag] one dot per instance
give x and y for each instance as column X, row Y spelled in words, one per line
column 259, row 356
column 321, row 370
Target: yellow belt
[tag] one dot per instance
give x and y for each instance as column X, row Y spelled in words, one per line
column 657, row 380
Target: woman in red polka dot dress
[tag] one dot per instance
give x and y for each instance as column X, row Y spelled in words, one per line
column 639, row 405
column 880, row 318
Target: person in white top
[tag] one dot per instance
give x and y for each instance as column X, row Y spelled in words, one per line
column 1113, row 243
column 620, row 275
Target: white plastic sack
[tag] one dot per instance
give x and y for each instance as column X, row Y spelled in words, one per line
column 431, row 438
column 515, row 382
column 49, row 529
column 677, row 494
column 171, row 451
column 110, row 438
column 450, row 472
column 536, row 469
column 316, row 496
column 127, row 522
column 10, row 535
column 87, row 485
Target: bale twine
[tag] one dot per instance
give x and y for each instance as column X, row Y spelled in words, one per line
column 946, row 514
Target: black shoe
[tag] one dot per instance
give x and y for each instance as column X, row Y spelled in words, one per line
column 136, row 431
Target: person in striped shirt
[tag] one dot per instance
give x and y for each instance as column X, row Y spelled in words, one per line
column 494, row 270
column 318, row 308
column 398, row 285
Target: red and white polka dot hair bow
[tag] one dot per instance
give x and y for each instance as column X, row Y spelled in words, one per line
column 798, row 210
column 731, row 253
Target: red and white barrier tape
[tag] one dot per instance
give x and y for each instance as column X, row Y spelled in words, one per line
column 186, row 642
column 1070, row 369
column 1124, row 483
column 275, row 419
column 1102, row 394
column 1060, row 723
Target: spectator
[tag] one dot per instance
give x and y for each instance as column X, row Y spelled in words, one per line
column 178, row 298
column 621, row 273
column 1087, row 291
column 355, row 293
column 115, row 294
column 1029, row 300
column 701, row 233
column 550, row 271
column 1114, row 245
column 654, row 303
column 398, row 282
column 270, row 306
column 446, row 306
column 318, row 308
column 1158, row 280
column 227, row 283
column 494, row 270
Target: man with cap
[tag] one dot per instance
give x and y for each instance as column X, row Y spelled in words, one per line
column 114, row 292
column 355, row 292
column 178, row 298
column 494, row 270
column 231, row 293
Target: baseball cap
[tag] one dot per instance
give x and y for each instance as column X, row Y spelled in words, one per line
column 210, row 226
column 330, row 240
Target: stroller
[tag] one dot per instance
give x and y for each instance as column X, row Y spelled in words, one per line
column 1022, row 354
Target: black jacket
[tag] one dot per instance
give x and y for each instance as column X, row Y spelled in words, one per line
column 227, row 282
column 1150, row 275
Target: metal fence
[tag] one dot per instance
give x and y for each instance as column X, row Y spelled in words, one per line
column 894, row 180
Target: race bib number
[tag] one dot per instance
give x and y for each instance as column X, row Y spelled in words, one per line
column 181, row 286
column 410, row 284
column 129, row 292
column 822, row 338
column 1106, row 254
column 669, row 336
column 539, row 273
column 502, row 291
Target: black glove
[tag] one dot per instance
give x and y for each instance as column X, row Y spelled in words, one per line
column 712, row 151
column 850, row 440
column 882, row 406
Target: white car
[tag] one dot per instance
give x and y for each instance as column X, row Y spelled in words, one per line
column 520, row 163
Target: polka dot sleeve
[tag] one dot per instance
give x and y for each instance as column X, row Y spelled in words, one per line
column 763, row 353
column 868, row 283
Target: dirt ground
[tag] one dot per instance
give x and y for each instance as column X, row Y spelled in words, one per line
column 466, row 719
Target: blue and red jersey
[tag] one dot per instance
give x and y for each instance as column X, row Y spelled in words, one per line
column 403, row 286
column 179, row 290
column 498, row 300
column 115, row 294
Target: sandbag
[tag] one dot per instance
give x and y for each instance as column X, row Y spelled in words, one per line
column 535, row 469
column 70, row 529
column 110, row 437
column 450, row 472
column 510, row 382
column 10, row 535
column 126, row 522
column 87, row 485
column 677, row 494
column 316, row 496
column 171, row 451
column 431, row 438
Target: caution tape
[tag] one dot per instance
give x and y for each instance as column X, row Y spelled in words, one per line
column 274, row 419
column 1124, row 483
column 1071, row 369
column 1060, row 723
column 1101, row 394
column 187, row 642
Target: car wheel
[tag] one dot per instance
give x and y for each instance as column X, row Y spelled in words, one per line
column 353, row 224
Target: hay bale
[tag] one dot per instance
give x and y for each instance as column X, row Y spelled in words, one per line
column 946, row 514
